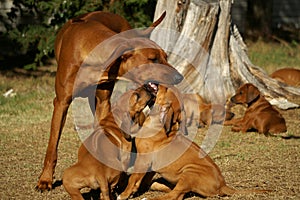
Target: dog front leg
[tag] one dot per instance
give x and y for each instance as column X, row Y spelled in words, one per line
column 244, row 125
column 177, row 193
column 105, row 190
column 232, row 121
column 134, row 183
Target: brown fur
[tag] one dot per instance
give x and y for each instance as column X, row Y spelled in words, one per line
column 90, row 171
column 260, row 114
column 76, row 42
column 193, row 170
column 201, row 113
column 289, row 76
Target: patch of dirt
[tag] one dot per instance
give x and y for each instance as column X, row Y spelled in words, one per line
column 248, row 160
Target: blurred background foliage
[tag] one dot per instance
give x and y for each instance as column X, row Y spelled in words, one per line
column 31, row 25
column 28, row 27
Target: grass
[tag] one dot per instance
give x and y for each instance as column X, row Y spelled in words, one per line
column 246, row 160
column 271, row 56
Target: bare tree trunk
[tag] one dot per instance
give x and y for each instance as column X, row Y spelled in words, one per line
column 209, row 51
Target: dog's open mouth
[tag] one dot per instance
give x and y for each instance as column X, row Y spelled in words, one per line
column 152, row 87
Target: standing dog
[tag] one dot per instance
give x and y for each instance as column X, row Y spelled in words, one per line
column 92, row 53
column 163, row 148
column 106, row 153
column 260, row 115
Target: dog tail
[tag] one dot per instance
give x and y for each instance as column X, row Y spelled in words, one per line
column 228, row 191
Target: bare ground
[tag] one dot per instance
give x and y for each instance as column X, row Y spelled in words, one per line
column 246, row 160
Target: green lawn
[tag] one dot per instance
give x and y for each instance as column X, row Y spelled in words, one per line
column 272, row 56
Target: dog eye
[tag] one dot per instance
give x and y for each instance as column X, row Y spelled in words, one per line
column 154, row 60
column 153, row 57
column 125, row 56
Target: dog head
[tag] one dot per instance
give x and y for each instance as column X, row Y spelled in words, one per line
column 139, row 99
column 128, row 110
column 246, row 94
column 171, row 112
column 137, row 59
column 147, row 62
column 211, row 114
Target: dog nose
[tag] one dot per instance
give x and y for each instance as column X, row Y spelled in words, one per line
column 232, row 99
column 178, row 78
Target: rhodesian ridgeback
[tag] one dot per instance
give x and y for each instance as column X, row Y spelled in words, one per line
column 201, row 113
column 165, row 150
column 260, row 114
column 128, row 109
column 289, row 76
column 106, row 153
column 92, row 51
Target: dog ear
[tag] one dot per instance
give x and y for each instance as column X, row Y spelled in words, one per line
column 252, row 93
column 126, row 126
column 126, row 55
column 166, row 117
column 169, row 116
column 181, row 119
column 112, row 51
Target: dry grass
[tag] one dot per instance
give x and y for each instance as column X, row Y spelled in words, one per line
column 271, row 56
column 246, row 160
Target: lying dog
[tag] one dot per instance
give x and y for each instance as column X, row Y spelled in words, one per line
column 202, row 114
column 289, row 76
column 260, row 115
column 167, row 151
column 106, row 153
column 92, row 51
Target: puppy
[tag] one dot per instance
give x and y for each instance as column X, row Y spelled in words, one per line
column 202, row 114
column 106, row 153
column 128, row 109
column 259, row 115
column 163, row 148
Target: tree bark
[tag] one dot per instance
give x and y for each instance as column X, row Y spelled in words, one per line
column 209, row 51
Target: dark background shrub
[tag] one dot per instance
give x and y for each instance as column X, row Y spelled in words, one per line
column 31, row 26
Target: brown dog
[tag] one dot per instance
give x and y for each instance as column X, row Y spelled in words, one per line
column 91, row 54
column 106, row 153
column 128, row 109
column 167, row 151
column 289, row 76
column 202, row 113
column 260, row 115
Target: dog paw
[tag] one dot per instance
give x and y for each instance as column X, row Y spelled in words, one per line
column 43, row 186
column 144, row 198
column 130, row 170
column 235, row 129
column 121, row 198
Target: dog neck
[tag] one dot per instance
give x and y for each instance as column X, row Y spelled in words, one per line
column 258, row 98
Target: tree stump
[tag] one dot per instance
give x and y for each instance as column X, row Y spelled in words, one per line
column 204, row 45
